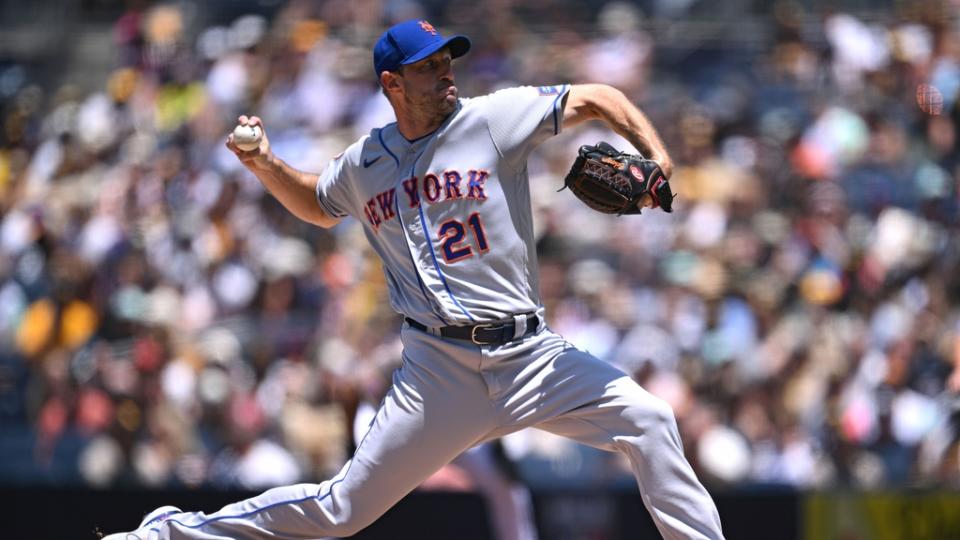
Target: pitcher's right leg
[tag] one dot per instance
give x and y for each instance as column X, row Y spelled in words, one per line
column 436, row 408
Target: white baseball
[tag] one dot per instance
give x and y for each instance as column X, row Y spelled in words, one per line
column 247, row 137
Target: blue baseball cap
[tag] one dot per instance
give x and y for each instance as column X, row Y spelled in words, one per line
column 412, row 41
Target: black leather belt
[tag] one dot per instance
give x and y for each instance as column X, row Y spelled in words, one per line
column 496, row 333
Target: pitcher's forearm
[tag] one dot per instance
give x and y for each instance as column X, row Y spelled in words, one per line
column 615, row 110
column 611, row 106
column 295, row 189
column 631, row 124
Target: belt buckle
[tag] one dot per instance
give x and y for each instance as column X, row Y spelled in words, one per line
column 473, row 333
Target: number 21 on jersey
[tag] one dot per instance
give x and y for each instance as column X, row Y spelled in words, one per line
column 453, row 244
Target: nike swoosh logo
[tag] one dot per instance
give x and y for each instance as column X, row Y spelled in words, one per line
column 369, row 162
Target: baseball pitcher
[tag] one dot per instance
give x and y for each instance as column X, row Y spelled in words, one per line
column 444, row 200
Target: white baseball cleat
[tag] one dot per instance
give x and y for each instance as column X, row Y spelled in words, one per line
column 143, row 532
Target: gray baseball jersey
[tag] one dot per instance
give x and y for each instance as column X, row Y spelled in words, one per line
column 450, row 216
column 449, row 213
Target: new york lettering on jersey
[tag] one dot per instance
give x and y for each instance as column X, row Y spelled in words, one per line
column 448, row 186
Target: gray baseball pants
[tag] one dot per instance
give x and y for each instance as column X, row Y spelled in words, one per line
column 450, row 395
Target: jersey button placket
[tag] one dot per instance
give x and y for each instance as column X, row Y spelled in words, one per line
column 414, row 228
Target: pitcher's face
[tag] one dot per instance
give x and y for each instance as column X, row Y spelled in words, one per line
column 428, row 85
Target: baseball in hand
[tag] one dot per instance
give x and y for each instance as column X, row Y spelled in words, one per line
column 247, row 137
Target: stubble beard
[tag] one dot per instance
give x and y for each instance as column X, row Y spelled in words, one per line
column 436, row 110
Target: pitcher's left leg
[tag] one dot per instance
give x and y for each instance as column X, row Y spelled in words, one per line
column 595, row 403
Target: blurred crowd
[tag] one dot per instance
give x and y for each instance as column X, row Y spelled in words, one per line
column 165, row 322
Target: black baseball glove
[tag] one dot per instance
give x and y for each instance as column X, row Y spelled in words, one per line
column 613, row 182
